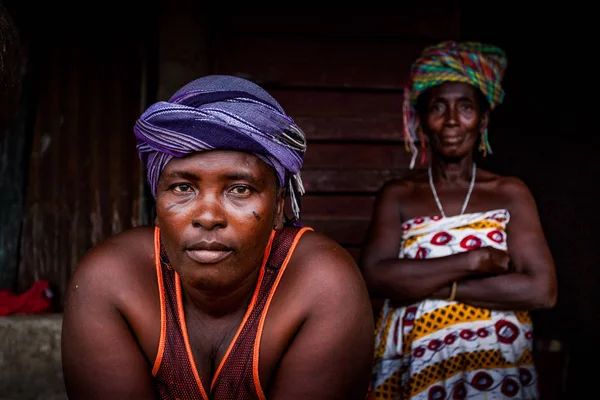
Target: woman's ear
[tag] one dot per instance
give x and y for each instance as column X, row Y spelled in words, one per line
column 484, row 120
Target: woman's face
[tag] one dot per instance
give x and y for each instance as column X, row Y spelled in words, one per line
column 216, row 211
column 453, row 119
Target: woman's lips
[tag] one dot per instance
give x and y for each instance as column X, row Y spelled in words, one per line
column 208, row 256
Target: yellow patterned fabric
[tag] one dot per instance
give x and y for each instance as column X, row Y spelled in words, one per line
column 437, row 349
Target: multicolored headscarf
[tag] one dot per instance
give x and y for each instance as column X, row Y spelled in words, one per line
column 478, row 64
column 220, row 112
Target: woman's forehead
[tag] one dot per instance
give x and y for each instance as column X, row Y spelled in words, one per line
column 225, row 162
column 453, row 89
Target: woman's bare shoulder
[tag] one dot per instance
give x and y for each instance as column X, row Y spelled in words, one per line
column 321, row 265
column 117, row 261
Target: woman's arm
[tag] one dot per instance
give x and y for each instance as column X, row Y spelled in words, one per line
column 331, row 354
column 532, row 284
column 100, row 354
column 403, row 280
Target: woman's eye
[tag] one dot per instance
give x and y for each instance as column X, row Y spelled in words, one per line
column 181, row 187
column 240, row 190
column 438, row 107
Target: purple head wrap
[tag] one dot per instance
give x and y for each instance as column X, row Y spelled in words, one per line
column 219, row 112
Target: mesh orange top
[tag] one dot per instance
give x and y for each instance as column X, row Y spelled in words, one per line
column 236, row 378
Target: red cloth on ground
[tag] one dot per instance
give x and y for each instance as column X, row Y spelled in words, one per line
column 36, row 300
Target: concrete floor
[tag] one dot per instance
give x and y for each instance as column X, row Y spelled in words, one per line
column 30, row 364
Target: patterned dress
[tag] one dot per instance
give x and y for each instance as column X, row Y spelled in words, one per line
column 437, row 349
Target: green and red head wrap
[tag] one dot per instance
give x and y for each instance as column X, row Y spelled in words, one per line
column 477, row 64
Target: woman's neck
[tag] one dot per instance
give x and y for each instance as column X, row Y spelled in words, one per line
column 452, row 171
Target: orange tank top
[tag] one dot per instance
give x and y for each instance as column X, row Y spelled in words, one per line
column 236, row 378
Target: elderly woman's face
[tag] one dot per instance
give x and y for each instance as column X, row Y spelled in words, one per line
column 216, row 211
column 453, row 119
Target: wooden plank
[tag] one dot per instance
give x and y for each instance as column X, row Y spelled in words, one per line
column 345, row 219
column 344, row 115
column 15, row 145
column 345, row 231
column 84, row 180
column 15, row 93
column 356, row 156
column 433, row 19
column 13, row 60
column 337, row 206
column 347, row 181
column 183, row 50
column 307, row 62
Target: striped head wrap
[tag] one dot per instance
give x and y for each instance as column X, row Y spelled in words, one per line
column 477, row 64
column 220, row 112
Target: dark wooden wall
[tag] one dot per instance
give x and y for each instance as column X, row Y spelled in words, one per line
column 14, row 146
column 82, row 180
